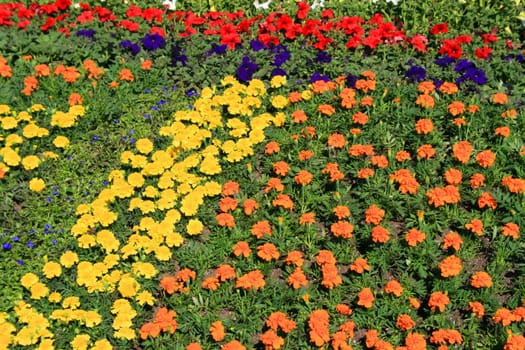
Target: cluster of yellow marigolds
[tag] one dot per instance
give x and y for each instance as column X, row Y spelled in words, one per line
column 163, row 187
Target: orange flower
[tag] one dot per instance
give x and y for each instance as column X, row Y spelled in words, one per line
column 426, row 87
column 321, row 86
column 360, row 265
column 425, row 101
column 278, row 320
column 406, row 180
column 42, row 70
column 146, row 65
column 500, row 98
column 368, row 74
column 343, row 309
column 75, row 99
column 367, row 101
column 365, row 173
column 295, row 97
column 456, row 108
column 249, row 206
column 149, row 329
column 274, row 183
column 365, row 298
column 486, row 158
column 211, row 283
column 326, row 109
column 331, row 277
column 477, row 308
column 365, row 85
column 452, row 239
column 165, row 319
column 515, row 342
column 325, row 257
column 336, row 140
column 414, row 236
column 486, row 200
column 30, row 84
column 267, row 252
column 438, row 300
column 448, row 88
column 504, row 316
column 271, row 340
column 503, row 131
column 294, row 257
column 394, row 287
column 307, row 219
column 405, row 322
column 341, row 211
column 252, row 280
column 170, row 284
column 450, row 266
column 380, row 234
column 113, row 85
column 402, row 156
column 225, row 272
column 299, row 116
column 126, row 74
column 444, row 336
column 355, row 131
column 380, row 161
column 360, row 118
column 261, row 228
column 371, row 337
column 225, row 220
column 318, row 322
column 227, row 204
column 509, row 114
column 305, row 154
column 230, row 188
column 440, row 196
column 477, row 180
column 510, row 229
column 5, row 70
column 193, row 346
column 303, row 178
column 414, row 303
column 481, row 279
column 233, row 345
column 475, row 226
column 426, row 152
column 284, row 201
column 513, row 185
column 459, row 122
column 361, row 150
column 462, row 151
column 272, row 147
column 424, row 126
column 453, row 176
column 333, row 170
column 297, row 279
column 242, row 248
column 415, row 341
column 374, row 214
column 217, row 331
column 342, row 229
column 281, row 168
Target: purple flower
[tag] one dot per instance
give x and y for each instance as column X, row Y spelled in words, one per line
column 318, row 76
column 463, row 65
column 476, row 75
column 6, row 246
column 246, row 69
column 86, row 33
column 134, row 48
column 217, row 49
column 152, row 42
column 178, row 56
column 281, row 58
column 323, row 57
column 278, row 71
column 416, row 73
column 256, row 45
column 351, row 80
column 444, row 61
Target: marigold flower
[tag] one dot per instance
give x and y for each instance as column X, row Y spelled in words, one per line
column 462, row 151
column 278, row 320
column 394, row 287
column 424, row 126
column 211, row 283
column 513, row 185
column 252, row 280
column 477, row 180
column 365, row 173
column 271, row 340
column 438, row 300
column 477, row 308
column 504, row 316
column 475, row 226
column 261, row 228
column 305, row 155
column 425, row 101
column 193, row 346
column 230, row 188
column 360, row 118
column 374, row 214
column 233, row 345
column 402, row 156
column 503, row 131
column 336, row 140
column 426, row 152
column 227, row 204
column 294, row 97
column 331, row 277
column 405, row 322
column 225, row 272
column 303, row 178
column 426, row 87
column 415, row 341
column 515, row 342
column 318, row 322
column 414, row 236
column 481, row 279
column 281, row 168
column 274, row 183
column 272, row 147
column 450, row 266
column 365, row 298
column 371, row 337
column 217, row 331
column 343, row 309
column 360, row 265
column 326, row 109
column 341, row 211
column 486, row 200
column 453, row 176
column 500, row 98
column 456, row 108
column 486, row 158
column 342, row 229
column 297, row 279
column 284, row 201
column 510, row 229
column 406, row 180
column 380, row 234
column 414, row 303
column 126, row 74
column 249, row 206
column 242, row 248
column 299, row 116
column 509, row 114
column 448, row 88
column 267, row 252
column 380, row 161
column 325, row 257
column 452, row 239
column 357, row 150
column 444, row 336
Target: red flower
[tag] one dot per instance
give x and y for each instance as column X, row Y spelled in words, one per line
column 439, row 28
column 302, row 10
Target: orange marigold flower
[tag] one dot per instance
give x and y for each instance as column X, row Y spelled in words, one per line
column 515, row 342
column 294, row 257
column 225, row 220
column 299, row 116
column 331, row 277
column 448, row 88
column 452, row 239
column 500, row 98
column 519, row 313
column 426, row 152
column 242, row 248
column 343, row 309
column 477, row 308
column 459, row 122
column 504, row 316
column 509, row 114
column 295, row 97
column 374, row 214
column 217, row 331
column 361, row 150
column 170, row 284
column 453, row 176
column 326, row 109
column 426, row 87
column 271, row 340
column 380, row 161
column 367, row 101
column 406, row 180
column 249, row 206
column 146, row 65
column 365, row 298
column 252, row 280
column 414, row 302
column 225, row 272
column 297, row 279
column 486, row 200
column 126, row 74
column 321, row 86
column 503, row 131
column 342, row 229
column 261, row 228
column 514, row 185
column 325, row 257
column 360, row 118
column 365, row 85
column 194, row 346
column 281, row 168
column 267, row 252
column 444, row 336
column 278, row 320
column 230, row 188
column 402, row 156
column 368, row 74
column 272, row 147
column 394, row 287
column 75, row 99
column 336, row 140
column 450, row 266
column 462, row 151
column 438, row 300
column 284, row 201
column 274, row 183
column 477, row 180
column 341, row 211
column 305, row 154
column 307, row 219
column 414, row 236
column 424, row 126
column 415, row 341
column 318, row 322
column 510, row 229
column 228, row 204
column 211, row 283
column 456, row 108
column 380, row 234
column 425, row 101
column 360, row 265
column 303, row 178
column 371, row 337
column 486, row 158
column 149, row 329
column 365, row 173
column 440, row 196
column 233, row 345
column 481, row 279
column 405, row 322
column 475, row 226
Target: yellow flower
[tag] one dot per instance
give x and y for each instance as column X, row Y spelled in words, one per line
column 13, row 139
column 144, row 145
column 38, row 291
column 102, row 344
column 279, row 119
column 150, row 192
column 30, row 162
column 145, row 298
column 68, row 259
column 128, row 286
column 28, row 280
column 37, row 107
column 162, row 253
column 11, row 157
column 144, row 269
column 9, row 123
column 24, row 116
column 91, row 319
column 54, row 297
column 306, row 95
column 108, row 241
column 46, row 344
column 86, row 241
column 37, row 185
column 210, row 166
column 279, row 101
column 61, row 142
column 136, row 179
column 194, row 227
column 212, row 188
column 50, row 155
column 174, row 239
column 80, row 342
column 52, row 269
column 63, row 120
column 125, row 333
column 111, row 260
column 4, row 109
column 278, row 81
column 71, row 303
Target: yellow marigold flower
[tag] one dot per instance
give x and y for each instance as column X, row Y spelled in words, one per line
column 278, row 81
column 71, row 303
column 46, row 344
column 30, row 131
column 144, row 269
column 52, row 269
column 37, row 185
column 9, row 123
column 145, row 298
column 144, row 145
column 63, row 120
column 212, row 188
column 11, row 157
column 25, row 337
column 80, row 342
column 13, row 139
column 86, row 241
column 38, row 291
column 30, row 162
column 61, row 142
column 162, row 253
column 210, row 166
column 194, row 227
column 174, row 239
column 24, row 116
column 125, row 333
column 54, row 297
column 306, row 95
column 37, row 107
column 136, row 179
column 102, row 344
column 77, row 110
column 91, row 319
column 4, row 109
column 279, row 119
column 111, row 260
column 50, row 155
column 279, row 101
column 68, row 259
column 28, row 280
column 128, row 286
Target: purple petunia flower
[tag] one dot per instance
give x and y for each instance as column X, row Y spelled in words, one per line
column 246, row 69
column 462, row 65
column 178, row 56
column 351, row 81
column 416, row 73
column 256, row 45
column 444, row 61
column 134, row 48
column 86, row 33
column 152, row 42
column 318, row 76
column 476, row 75
column 281, row 58
column 6, row 246
column 323, row 57
column 278, row 71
